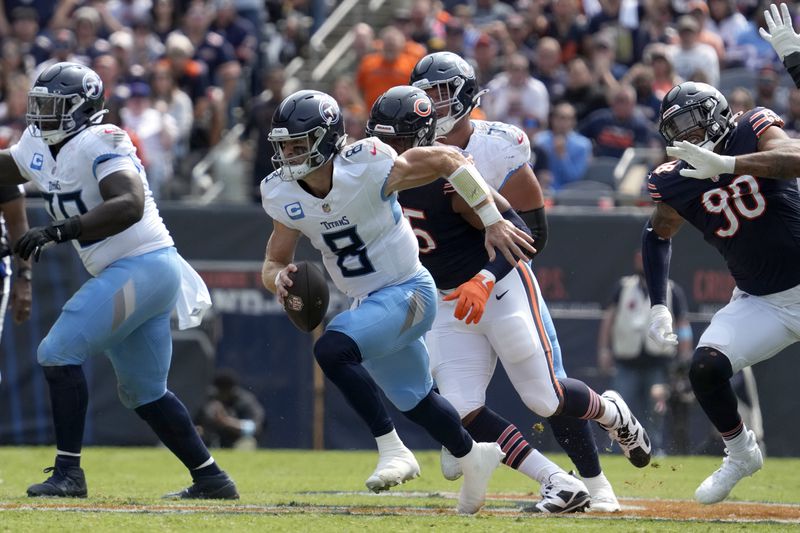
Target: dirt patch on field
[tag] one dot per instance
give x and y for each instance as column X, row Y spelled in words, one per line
column 631, row 508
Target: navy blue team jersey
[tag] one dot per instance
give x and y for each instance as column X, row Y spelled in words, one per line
column 430, row 210
column 753, row 222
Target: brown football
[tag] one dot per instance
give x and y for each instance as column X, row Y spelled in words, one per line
column 308, row 297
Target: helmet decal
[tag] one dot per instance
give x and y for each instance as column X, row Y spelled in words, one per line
column 422, row 107
column 92, row 85
column 329, row 110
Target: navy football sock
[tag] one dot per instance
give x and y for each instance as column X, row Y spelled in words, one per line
column 579, row 400
column 488, row 426
column 575, row 437
column 69, row 397
column 340, row 359
column 440, row 419
column 171, row 422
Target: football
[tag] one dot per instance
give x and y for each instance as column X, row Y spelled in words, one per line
column 307, row 302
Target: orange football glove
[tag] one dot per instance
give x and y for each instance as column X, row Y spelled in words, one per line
column 472, row 296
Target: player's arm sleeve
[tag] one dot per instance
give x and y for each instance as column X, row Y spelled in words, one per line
column 792, row 64
column 656, row 255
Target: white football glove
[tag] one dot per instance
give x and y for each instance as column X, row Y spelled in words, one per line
column 780, row 33
column 707, row 164
column 660, row 330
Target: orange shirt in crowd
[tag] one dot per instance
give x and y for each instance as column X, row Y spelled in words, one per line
column 376, row 75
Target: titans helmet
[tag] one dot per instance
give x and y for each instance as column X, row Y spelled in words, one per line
column 451, row 83
column 403, row 117
column 314, row 117
column 695, row 111
column 66, row 98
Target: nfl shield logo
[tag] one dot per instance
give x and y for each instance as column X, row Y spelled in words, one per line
column 326, row 207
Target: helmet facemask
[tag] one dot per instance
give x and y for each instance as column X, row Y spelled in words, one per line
column 698, row 120
column 446, row 103
column 293, row 167
column 52, row 116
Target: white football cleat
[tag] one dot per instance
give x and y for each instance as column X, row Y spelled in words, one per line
column 561, row 494
column 451, row 468
column 478, row 466
column 603, row 498
column 392, row 470
column 735, row 466
column 628, row 432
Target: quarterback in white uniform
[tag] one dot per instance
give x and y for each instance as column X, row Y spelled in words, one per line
column 516, row 326
column 97, row 194
column 344, row 199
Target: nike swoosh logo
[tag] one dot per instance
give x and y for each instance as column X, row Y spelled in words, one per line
column 498, row 296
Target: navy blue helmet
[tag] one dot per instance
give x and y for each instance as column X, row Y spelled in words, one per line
column 451, row 83
column 403, row 117
column 310, row 116
column 65, row 99
column 696, row 112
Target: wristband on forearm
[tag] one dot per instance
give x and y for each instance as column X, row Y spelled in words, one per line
column 656, row 254
column 68, row 229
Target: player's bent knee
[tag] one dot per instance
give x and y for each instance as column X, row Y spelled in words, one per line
column 334, row 348
column 544, row 405
column 710, row 368
column 137, row 395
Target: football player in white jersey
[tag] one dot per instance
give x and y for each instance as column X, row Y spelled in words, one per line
column 501, row 152
column 344, row 199
column 96, row 191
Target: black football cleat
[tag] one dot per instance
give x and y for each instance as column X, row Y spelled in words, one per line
column 217, row 487
column 65, row 482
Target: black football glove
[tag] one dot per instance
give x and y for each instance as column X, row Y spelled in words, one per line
column 36, row 239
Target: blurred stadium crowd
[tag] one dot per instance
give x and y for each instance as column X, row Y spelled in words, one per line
column 583, row 78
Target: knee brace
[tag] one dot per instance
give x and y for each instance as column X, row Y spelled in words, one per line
column 334, row 349
column 710, row 368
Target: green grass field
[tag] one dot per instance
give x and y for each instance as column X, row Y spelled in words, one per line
column 324, row 491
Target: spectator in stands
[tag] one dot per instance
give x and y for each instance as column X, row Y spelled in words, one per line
column 692, row 57
column 568, row 152
column 43, row 10
column 352, row 107
column 121, row 42
column 147, row 47
column 402, row 21
column 486, row 59
column 157, row 132
column 177, row 104
column 487, row 11
column 603, row 60
column 13, row 108
column 699, row 10
column 125, row 12
column 515, row 96
column 239, row 32
column 259, row 124
column 638, row 365
column 664, row 76
column 726, row 21
column 655, row 26
column 740, row 100
column 165, row 18
column 62, row 48
column 25, row 30
column 88, row 26
column 232, row 417
column 520, row 36
column 548, row 69
column 380, row 71
column 618, row 127
column 212, row 49
column 363, row 41
column 582, row 90
column 641, row 78
column 619, row 21
column 792, row 117
column 769, row 92
column 454, row 37
column 568, row 26
column 13, row 60
column 756, row 51
column 107, row 67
